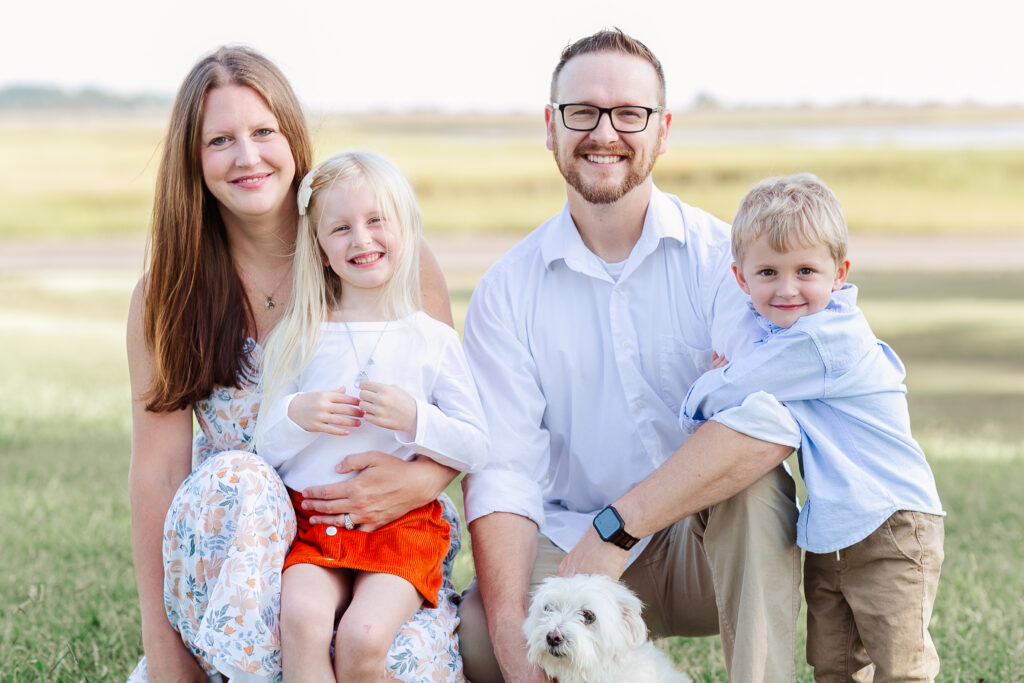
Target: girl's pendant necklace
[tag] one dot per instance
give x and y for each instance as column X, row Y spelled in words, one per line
column 361, row 376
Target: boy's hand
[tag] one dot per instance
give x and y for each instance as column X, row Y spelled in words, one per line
column 325, row 411
column 388, row 406
column 718, row 361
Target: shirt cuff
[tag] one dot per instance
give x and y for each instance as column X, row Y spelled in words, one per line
column 283, row 437
column 762, row 417
column 688, row 424
column 502, row 491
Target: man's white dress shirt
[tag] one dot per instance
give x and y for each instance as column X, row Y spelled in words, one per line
column 582, row 375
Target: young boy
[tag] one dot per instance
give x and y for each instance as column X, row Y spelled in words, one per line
column 872, row 524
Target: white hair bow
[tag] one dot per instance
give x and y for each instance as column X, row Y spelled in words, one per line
column 306, row 191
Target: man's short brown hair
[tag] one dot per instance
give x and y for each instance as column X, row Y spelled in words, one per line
column 610, row 40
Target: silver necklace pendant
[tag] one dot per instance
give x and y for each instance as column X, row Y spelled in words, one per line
column 269, row 303
column 361, row 376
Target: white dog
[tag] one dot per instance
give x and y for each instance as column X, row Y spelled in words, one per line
column 587, row 629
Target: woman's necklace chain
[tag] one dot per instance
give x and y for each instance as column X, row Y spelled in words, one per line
column 268, row 299
column 361, row 376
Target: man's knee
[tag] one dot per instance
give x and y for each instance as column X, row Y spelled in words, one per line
column 768, row 503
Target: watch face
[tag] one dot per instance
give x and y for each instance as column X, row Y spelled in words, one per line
column 607, row 523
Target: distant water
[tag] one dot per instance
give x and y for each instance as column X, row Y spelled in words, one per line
column 972, row 135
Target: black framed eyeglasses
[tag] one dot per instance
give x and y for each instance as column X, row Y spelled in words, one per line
column 625, row 119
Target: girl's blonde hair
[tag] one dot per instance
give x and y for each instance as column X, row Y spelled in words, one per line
column 791, row 211
column 316, row 288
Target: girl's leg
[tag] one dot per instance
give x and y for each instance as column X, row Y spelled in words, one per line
column 311, row 598
column 380, row 604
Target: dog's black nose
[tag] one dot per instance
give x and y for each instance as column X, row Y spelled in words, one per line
column 555, row 639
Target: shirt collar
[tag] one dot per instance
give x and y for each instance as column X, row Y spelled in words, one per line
column 663, row 220
column 841, row 300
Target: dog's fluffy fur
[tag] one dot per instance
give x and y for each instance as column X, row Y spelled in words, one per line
column 587, row 629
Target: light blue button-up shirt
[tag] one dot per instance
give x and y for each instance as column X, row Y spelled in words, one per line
column 845, row 389
column 582, row 375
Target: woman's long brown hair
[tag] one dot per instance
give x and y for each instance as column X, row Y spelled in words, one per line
column 197, row 317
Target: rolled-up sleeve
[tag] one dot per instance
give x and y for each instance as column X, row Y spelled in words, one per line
column 744, row 395
column 762, row 417
column 514, row 406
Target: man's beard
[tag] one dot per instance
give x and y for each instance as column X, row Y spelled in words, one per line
column 604, row 194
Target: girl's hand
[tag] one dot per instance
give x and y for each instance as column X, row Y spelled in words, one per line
column 325, row 411
column 388, row 406
column 718, row 361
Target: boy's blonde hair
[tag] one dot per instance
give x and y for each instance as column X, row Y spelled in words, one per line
column 316, row 288
column 792, row 211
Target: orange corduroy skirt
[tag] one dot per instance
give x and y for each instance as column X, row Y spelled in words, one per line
column 411, row 547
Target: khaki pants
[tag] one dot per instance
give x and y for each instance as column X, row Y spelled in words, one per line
column 732, row 569
column 871, row 603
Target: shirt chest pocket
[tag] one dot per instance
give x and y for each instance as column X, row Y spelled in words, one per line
column 677, row 365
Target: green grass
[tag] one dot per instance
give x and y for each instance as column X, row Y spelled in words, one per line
column 68, row 607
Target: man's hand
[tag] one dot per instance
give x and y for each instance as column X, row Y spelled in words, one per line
column 388, row 406
column 594, row 556
column 325, row 411
column 510, row 651
column 718, row 361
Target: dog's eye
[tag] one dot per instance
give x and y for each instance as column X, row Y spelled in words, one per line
column 549, row 607
column 588, row 617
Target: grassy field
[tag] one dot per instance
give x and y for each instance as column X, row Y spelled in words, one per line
column 494, row 174
column 67, row 598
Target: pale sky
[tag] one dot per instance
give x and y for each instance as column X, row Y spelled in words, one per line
column 464, row 55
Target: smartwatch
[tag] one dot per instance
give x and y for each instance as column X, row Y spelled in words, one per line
column 609, row 527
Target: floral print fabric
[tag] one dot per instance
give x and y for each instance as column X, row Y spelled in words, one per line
column 225, row 538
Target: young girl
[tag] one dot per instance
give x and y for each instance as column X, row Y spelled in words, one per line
column 355, row 365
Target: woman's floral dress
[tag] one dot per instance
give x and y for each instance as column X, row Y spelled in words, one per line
column 225, row 539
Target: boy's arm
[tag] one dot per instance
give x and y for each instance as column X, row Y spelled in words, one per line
column 788, row 365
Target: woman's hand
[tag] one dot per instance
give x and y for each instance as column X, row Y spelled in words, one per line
column 174, row 663
column 325, row 411
column 383, row 489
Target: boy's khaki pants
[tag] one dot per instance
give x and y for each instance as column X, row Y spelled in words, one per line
column 871, row 604
column 732, row 569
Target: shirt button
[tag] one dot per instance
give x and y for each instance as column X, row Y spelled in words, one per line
column 331, row 530
column 639, row 405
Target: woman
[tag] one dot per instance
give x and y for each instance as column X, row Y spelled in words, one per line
column 211, row 522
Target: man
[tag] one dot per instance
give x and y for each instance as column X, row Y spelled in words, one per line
column 584, row 339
